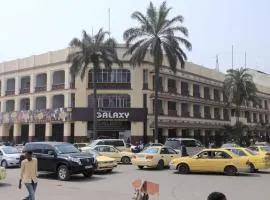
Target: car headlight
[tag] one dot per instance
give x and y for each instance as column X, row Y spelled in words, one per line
column 76, row 160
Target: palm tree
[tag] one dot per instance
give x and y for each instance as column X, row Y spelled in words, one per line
column 96, row 50
column 239, row 89
column 157, row 35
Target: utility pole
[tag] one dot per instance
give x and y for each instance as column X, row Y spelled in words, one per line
column 217, row 63
column 232, row 56
column 109, row 21
column 245, row 59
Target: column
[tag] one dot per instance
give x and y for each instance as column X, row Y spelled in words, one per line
column 49, row 101
column 3, row 106
column 202, row 91
column 17, row 133
column 211, row 90
column 32, row 103
column 165, row 132
column 191, row 114
column 165, row 107
column 178, row 86
column 150, row 105
column 136, row 132
column 31, row 134
column 191, row 133
column 32, row 83
column 202, row 110
column 165, row 84
column 67, row 131
column 48, row 131
column 17, row 104
column 179, row 132
column 251, row 117
column 49, row 80
column 178, row 108
column 67, row 102
column 212, row 112
column 3, row 86
column 221, row 96
column 203, row 136
column 221, row 114
column 3, row 133
column 17, row 85
column 67, row 78
column 80, row 132
column 190, row 89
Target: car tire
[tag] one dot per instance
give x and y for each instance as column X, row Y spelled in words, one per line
column 125, row 160
column 183, row 168
column 160, row 165
column 230, row 170
column 4, row 164
column 63, row 173
column 140, row 167
column 88, row 173
column 109, row 170
column 252, row 168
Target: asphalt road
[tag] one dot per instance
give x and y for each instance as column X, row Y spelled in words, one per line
column 117, row 185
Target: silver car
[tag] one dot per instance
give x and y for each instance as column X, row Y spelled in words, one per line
column 9, row 156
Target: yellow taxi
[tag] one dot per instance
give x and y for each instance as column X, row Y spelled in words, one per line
column 154, row 157
column 257, row 161
column 261, row 149
column 3, row 173
column 112, row 152
column 105, row 164
column 211, row 160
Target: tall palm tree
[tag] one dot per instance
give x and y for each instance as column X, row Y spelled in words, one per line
column 239, row 89
column 97, row 50
column 159, row 36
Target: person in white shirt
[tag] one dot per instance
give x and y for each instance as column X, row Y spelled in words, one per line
column 29, row 175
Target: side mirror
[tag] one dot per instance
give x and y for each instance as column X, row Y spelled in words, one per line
column 51, row 153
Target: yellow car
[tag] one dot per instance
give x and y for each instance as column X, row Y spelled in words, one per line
column 112, row 152
column 256, row 160
column 261, row 149
column 211, row 160
column 154, row 157
column 105, row 164
column 3, row 173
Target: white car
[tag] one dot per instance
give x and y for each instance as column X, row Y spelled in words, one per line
column 9, row 156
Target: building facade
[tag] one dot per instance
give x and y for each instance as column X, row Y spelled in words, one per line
column 40, row 100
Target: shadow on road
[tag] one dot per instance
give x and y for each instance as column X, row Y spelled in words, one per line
column 263, row 172
column 219, row 174
column 5, row 185
column 107, row 173
column 73, row 178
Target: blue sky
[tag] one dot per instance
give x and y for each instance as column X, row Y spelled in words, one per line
column 35, row 26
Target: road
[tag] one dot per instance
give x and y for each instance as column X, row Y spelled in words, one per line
column 117, row 185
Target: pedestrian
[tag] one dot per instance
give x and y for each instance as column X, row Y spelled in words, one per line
column 29, row 175
column 216, row 196
column 184, row 151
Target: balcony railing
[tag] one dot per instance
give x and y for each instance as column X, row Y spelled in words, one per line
column 110, row 85
column 172, row 90
column 172, row 112
column 196, row 94
column 10, row 92
column 185, row 114
column 59, row 86
column 24, row 90
column 160, row 112
column 197, row 115
column 185, row 92
column 40, row 88
column 217, row 117
column 207, row 116
column 206, row 95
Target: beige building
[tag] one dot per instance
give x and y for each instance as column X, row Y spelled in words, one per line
column 41, row 101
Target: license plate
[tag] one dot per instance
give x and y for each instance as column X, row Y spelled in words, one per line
column 88, row 167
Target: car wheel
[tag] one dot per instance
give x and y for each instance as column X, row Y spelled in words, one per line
column 160, row 165
column 230, row 170
column 109, row 170
column 63, row 173
column 183, row 169
column 87, row 174
column 252, row 168
column 125, row 160
column 4, row 164
column 140, row 167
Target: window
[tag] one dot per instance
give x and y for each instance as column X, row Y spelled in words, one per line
column 164, row 151
column 112, row 76
column 189, row 143
column 145, row 76
column 221, row 155
column 238, row 152
column 111, row 101
column 47, row 148
column 112, row 149
column 205, row 155
column 171, row 151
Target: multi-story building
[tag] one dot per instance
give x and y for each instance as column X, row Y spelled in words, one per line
column 40, row 100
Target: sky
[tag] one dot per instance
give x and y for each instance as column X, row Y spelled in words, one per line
column 32, row 27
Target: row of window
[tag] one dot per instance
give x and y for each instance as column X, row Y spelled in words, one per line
column 112, row 101
column 111, row 76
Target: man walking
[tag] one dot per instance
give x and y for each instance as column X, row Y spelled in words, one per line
column 29, row 175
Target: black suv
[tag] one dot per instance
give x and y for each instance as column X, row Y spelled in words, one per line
column 61, row 158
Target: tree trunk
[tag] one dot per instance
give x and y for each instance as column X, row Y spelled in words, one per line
column 94, row 136
column 156, row 101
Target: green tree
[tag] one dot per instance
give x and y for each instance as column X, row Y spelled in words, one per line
column 158, row 35
column 98, row 50
column 239, row 89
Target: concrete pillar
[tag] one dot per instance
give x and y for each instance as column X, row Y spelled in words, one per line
column 32, row 83
column 178, row 108
column 17, row 104
column 211, row 90
column 136, row 132
column 179, row 132
column 49, row 80
column 3, row 86
column 67, row 131
column 165, row 132
column 202, row 110
column 3, row 106
column 32, row 103
column 165, row 107
column 178, row 86
column 202, row 91
column 67, row 78
column 31, row 135
column 4, row 135
column 49, row 100
column 212, row 112
column 150, row 105
column 17, row 133
column 165, row 83
column 191, row 132
column 17, row 85
column 221, row 113
column 67, row 102
column 191, row 114
column 251, row 117
column 221, row 96
column 190, row 89
column 48, row 131
column 80, row 131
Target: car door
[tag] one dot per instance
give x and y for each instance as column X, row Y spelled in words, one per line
column 201, row 162
column 219, row 160
column 171, row 155
column 47, row 157
column 165, row 156
column 115, row 154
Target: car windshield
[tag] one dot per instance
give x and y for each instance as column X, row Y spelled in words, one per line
column 10, row 150
column 251, row 152
column 174, row 144
column 150, row 150
column 95, row 153
column 93, row 143
column 66, row 148
column 265, row 148
column 229, row 145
